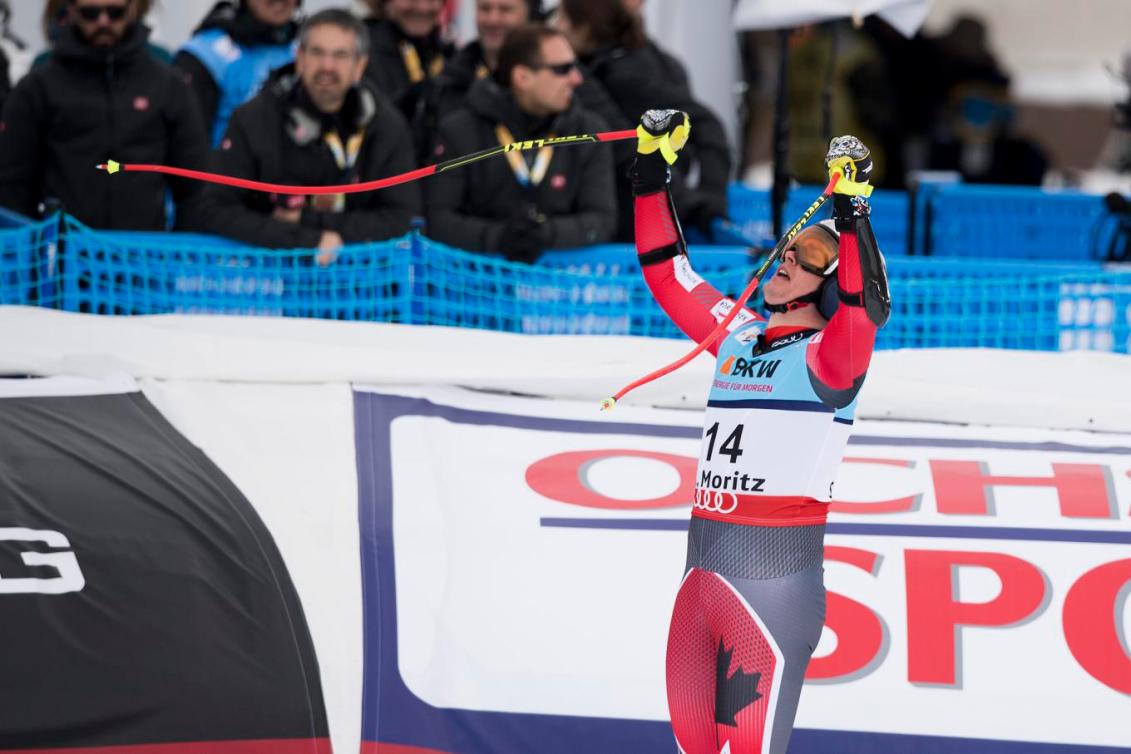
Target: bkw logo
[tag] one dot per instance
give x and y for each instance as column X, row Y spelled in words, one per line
column 736, row 366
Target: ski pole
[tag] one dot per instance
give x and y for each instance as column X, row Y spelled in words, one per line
column 720, row 328
column 110, row 166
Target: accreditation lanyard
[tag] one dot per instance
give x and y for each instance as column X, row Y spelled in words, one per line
column 415, row 68
column 527, row 176
column 346, row 157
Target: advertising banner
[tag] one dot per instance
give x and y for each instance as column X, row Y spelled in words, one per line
column 144, row 606
column 521, row 558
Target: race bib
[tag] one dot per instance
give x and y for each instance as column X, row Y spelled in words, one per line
column 769, row 451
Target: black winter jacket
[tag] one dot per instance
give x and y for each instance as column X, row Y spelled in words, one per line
column 386, row 71
column 649, row 78
column 462, row 70
column 84, row 105
column 469, row 207
column 277, row 137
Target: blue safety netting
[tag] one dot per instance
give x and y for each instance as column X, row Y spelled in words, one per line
column 1003, row 304
column 938, row 301
column 750, row 209
column 159, row 273
column 28, row 259
column 595, row 291
column 1011, row 222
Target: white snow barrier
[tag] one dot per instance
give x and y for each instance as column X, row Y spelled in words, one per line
column 487, row 563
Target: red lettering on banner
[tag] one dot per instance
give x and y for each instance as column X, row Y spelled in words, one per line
column 859, row 631
column 961, row 488
column 934, row 613
column 896, row 505
column 1093, row 613
column 562, row 477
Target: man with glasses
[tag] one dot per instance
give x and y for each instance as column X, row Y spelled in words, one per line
column 233, row 52
column 535, row 200
column 318, row 126
column 101, row 95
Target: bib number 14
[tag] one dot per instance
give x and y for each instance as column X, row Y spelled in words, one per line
column 731, row 447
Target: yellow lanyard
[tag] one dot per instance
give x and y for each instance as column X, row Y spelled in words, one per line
column 525, row 175
column 414, row 68
column 345, row 157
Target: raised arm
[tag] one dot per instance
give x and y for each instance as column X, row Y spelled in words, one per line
column 693, row 304
column 838, row 358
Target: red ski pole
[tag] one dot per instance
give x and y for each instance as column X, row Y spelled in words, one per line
column 110, row 166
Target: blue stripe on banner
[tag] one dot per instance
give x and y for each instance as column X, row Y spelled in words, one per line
column 841, row 420
column 872, row 530
column 810, row 741
column 815, row 406
column 954, row 442
column 982, row 532
column 644, row 524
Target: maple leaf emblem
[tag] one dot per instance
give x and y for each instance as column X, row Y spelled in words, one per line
column 733, row 693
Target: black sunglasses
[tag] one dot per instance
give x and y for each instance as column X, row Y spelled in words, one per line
column 558, row 69
column 93, row 12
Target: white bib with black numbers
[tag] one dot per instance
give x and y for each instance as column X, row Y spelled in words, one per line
column 767, row 432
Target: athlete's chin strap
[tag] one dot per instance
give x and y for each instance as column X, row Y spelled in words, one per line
column 800, row 302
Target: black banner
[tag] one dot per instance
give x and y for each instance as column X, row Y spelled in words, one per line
column 142, row 599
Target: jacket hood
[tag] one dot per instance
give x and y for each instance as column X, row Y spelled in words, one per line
column 244, row 28
column 305, row 123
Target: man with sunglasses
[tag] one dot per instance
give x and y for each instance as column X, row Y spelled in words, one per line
column 751, row 606
column 100, row 95
column 534, row 200
column 494, row 19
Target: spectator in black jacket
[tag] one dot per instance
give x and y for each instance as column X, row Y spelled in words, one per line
column 494, row 19
column 406, row 55
column 534, row 200
column 232, row 53
column 100, row 96
column 316, row 126
column 640, row 76
column 5, row 81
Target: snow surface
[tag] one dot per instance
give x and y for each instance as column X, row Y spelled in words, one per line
column 1070, row 390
